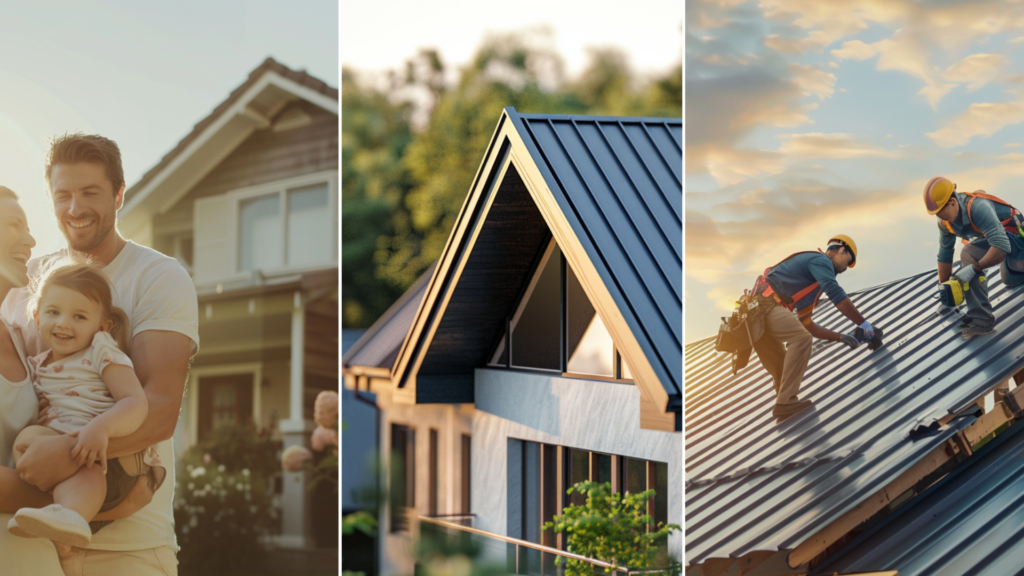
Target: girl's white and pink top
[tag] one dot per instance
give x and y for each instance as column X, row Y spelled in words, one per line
column 74, row 385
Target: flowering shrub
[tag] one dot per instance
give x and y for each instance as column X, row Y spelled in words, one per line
column 221, row 509
column 323, row 439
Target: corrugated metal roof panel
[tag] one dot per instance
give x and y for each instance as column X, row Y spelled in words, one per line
column 971, row 522
column 378, row 346
column 753, row 484
column 619, row 183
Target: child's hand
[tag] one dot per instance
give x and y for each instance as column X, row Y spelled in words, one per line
column 92, row 446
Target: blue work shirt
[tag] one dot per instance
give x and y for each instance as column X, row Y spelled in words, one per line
column 794, row 274
column 988, row 217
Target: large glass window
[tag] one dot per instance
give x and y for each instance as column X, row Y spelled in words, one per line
column 535, row 335
column 309, row 225
column 556, row 327
column 590, row 348
column 403, row 475
column 290, row 227
column 224, row 400
column 261, row 242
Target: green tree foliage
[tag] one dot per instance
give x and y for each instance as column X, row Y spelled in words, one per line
column 403, row 186
column 614, row 528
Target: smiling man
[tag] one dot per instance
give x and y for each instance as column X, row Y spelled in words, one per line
column 87, row 186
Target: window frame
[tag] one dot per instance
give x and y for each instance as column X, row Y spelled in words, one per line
column 510, row 323
column 192, row 392
column 280, row 188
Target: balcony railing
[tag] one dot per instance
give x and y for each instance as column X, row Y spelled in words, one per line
column 455, row 535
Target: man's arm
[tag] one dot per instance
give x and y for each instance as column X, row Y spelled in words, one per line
column 161, row 363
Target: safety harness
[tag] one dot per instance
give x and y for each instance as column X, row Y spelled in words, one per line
column 1012, row 225
column 765, row 289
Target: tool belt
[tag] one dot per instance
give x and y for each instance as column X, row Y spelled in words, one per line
column 738, row 332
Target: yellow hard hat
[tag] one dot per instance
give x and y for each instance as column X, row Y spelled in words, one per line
column 937, row 193
column 849, row 243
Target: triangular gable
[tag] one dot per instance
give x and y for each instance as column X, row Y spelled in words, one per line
column 251, row 106
column 628, row 259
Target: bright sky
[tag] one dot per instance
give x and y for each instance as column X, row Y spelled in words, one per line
column 809, row 118
column 382, row 35
column 141, row 73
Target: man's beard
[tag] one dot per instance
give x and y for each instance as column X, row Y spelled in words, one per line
column 103, row 228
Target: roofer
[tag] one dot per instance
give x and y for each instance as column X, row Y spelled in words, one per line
column 796, row 284
column 991, row 228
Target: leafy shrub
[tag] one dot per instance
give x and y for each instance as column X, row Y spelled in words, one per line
column 223, row 504
column 613, row 528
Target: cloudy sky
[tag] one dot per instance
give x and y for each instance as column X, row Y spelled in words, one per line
column 141, row 73
column 807, row 119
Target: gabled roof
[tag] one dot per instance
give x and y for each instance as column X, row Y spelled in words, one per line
column 252, row 105
column 377, row 347
column 609, row 190
column 754, row 487
column 969, row 523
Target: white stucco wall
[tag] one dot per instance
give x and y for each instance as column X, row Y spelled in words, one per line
column 585, row 414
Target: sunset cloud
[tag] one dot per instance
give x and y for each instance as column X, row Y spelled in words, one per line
column 981, row 119
column 976, row 70
column 833, row 146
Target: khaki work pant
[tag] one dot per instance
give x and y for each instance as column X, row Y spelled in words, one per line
column 785, row 364
column 161, row 561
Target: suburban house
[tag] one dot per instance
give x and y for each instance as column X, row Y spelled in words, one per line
column 545, row 345
column 894, row 468
column 247, row 202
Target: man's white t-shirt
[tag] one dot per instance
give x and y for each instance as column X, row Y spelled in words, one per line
column 157, row 294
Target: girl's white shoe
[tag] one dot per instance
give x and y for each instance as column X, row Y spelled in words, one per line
column 53, row 522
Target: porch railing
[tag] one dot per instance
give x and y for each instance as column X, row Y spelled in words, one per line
column 518, row 556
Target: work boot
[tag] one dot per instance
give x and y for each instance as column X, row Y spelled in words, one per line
column 971, row 331
column 784, row 411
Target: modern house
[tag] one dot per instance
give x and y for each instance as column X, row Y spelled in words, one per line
column 248, row 202
column 545, row 346
column 893, row 468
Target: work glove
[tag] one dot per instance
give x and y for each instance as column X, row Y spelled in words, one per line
column 849, row 339
column 869, row 330
column 965, row 274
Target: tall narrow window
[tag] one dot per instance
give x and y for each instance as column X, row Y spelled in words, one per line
column 578, row 466
column 309, row 225
column 433, row 488
column 261, row 244
column 535, row 334
column 589, row 346
column 403, row 475
column 466, row 463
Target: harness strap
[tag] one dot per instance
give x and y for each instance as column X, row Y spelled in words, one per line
column 788, row 301
column 1008, row 225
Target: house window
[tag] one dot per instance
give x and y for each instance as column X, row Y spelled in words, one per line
column 466, row 461
column 403, row 475
column 309, row 225
column 290, row 227
column 588, row 343
column 432, row 478
column 224, row 400
column 544, row 485
column 535, row 335
column 556, row 327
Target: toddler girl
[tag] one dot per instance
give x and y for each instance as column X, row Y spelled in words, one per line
column 91, row 388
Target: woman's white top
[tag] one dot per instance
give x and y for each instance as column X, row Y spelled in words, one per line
column 18, row 409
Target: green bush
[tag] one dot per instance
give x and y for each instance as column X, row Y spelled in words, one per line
column 223, row 504
column 614, row 528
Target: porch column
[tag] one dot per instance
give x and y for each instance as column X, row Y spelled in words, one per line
column 295, row 530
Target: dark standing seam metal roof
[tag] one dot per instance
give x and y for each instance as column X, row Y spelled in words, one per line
column 752, row 484
column 972, row 522
column 618, row 182
column 378, row 347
